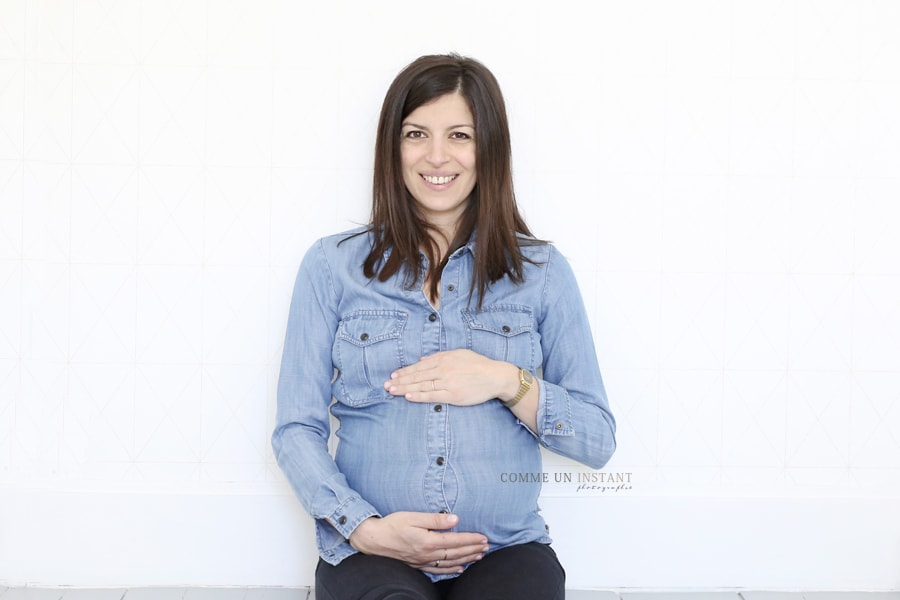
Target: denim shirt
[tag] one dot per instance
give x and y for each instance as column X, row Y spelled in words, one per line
column 346, row 333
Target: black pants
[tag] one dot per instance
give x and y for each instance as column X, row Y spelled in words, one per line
column 522, row 572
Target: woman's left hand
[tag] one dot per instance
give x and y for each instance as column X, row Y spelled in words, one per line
column 459, row 377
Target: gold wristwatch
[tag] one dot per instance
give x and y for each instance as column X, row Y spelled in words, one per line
column 525, row 383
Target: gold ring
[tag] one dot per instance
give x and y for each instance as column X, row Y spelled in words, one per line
column 433, row 389
column 437, row 563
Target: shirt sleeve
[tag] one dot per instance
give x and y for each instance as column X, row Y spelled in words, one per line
column 573, row 417
column 302, row 421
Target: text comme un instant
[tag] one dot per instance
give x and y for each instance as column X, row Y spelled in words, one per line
column 564, row 477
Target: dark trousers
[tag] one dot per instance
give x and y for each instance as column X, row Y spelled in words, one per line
column 523, row 572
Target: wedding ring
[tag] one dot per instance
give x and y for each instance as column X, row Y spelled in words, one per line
column 437, row 563
column 433, row 389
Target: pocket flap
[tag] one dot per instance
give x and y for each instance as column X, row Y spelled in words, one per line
column 364, row 329
column 505, row 320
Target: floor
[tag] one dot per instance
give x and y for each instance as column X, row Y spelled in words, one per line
column 29, row 593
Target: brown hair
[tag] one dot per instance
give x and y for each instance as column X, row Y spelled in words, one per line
column 396, row 223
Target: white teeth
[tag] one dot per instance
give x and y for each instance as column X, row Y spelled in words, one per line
column 439, row 180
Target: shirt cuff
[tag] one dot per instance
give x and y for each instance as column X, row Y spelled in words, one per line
column 333, row 531
column 554, row 415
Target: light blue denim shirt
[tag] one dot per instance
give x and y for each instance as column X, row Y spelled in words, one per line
column 347, row 333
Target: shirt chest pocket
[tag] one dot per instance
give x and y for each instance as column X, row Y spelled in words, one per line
column 503, row 332
column 367, row 349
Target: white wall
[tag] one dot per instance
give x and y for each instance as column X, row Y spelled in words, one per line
column 724, row 176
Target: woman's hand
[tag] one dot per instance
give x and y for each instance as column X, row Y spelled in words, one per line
column 459, row 377
column 419, row 540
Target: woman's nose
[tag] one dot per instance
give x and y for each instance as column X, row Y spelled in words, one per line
column 437, row 152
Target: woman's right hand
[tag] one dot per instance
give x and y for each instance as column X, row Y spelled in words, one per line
column 420, row 540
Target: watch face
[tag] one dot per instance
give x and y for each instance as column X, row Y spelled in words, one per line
column 526, row 375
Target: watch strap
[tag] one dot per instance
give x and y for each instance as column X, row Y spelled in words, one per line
column 525, row 383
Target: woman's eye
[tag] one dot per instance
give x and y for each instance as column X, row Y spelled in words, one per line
column 414, row 134
column 460, row 135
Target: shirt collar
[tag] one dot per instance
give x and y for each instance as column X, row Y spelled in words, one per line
column 467, row 247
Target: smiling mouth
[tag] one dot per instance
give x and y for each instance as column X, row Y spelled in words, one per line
column 439, row 180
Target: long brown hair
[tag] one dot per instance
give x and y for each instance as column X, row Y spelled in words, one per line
column 491, row 212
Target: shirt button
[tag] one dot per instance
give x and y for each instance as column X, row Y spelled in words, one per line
column 505, row 329
column 440, row 460
column 432, row 317
column 438, row 408
column 451, row 287
column 342, row 520
column 559, row 425
column 443, row 511
column 364, row 337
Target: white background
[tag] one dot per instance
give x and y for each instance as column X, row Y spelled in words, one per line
column 723, row 175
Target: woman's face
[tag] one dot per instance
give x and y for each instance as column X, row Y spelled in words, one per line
column 437, row 153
